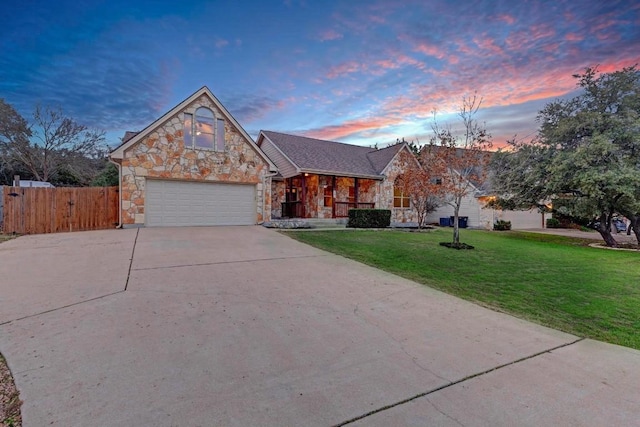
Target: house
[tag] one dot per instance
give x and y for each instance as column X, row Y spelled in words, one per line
column 324, row 179
column 195, row 165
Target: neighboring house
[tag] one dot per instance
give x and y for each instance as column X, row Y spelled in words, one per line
column 324, row 179
column 195, row 165
column 478, row 216
column 473, row 208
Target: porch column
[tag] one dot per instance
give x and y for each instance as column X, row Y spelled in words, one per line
column 333, row 196
column 356, row 185
column 303, row 207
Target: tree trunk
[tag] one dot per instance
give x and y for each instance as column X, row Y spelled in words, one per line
column 635, row 226
column 604, row 228
column 456, row 228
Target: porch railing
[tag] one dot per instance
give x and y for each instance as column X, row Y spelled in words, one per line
column 342, row 208
column 292, row 209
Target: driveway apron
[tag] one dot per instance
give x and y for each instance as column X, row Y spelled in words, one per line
column 237, row 326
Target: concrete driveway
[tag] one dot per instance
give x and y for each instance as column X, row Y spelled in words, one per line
column 242, row 326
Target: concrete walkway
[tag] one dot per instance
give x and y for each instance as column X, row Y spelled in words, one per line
column 239, row 326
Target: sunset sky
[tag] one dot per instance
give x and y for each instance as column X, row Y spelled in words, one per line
column 361, row 72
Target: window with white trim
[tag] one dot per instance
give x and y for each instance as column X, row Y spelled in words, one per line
column 203, row 130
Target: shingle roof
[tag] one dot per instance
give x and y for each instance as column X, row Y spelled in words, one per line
column 316, row 155
column 128, row 135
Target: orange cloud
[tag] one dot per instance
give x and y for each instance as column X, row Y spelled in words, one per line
column 352, row 127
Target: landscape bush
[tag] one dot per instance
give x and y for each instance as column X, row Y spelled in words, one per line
column 369, row 218
column 502, row 225
column 553, row 223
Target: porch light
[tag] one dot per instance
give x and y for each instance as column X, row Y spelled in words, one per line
column 306, row 174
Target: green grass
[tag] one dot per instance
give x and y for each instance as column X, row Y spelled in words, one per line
column 551, row 280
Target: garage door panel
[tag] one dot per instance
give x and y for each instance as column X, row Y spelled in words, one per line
column 180, row 203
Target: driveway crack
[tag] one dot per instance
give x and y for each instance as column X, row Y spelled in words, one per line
column 133, row 251
column 445, row 386
column 227, row 262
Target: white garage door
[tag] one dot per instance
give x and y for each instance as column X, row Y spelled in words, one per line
column 179, row 203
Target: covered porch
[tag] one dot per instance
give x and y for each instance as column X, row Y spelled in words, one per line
column 322, row 196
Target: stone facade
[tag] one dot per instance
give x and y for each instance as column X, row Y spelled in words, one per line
column 162, row 154
column 385, row 200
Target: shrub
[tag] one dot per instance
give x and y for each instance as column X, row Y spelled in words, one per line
column 553, row 223
column 501, row 225
column 369, row 218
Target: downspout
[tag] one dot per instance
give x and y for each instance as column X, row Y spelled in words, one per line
column 264, row 199
column 119, row 166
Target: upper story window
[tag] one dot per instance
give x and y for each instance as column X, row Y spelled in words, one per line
column 203, row 130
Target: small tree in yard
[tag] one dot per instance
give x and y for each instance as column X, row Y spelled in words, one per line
column 462, row 157
column 419, row 183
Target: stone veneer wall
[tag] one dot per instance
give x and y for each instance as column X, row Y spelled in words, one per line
column 392, row 171
column 162, row 154
column 311, row 183
column 367, row 191
column 278, row 195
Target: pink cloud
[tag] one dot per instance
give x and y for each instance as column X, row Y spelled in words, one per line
column 573, row 37
column 388, row 64
column 430, row 50
column 507, row 19
column 489, row 44
column 329, row 35
column 541, row 31
column 399, row 60
column 344, row 69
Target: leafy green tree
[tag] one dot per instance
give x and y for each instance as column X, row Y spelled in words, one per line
column 587, row 153
column 108, row 177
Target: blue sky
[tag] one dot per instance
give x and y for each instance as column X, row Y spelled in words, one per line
column 362, row 72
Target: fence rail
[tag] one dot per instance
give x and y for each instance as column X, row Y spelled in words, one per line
column 33, row 210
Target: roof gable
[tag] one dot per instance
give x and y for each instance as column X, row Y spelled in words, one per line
column 132, row 138
column 380, row 159
column 329, row 157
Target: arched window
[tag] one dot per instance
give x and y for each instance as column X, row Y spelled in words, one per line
column 204, row 127
column 203, row 130
column 400, row 196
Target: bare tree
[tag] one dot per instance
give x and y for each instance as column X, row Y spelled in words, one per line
column 462, row 157
column 419, row 182
column 52, row 145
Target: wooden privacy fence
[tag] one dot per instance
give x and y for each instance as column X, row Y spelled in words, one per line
column 33, row 210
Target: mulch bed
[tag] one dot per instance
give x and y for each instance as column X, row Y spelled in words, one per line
column 9, row 398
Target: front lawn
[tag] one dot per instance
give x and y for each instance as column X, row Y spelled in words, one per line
column 552, row 280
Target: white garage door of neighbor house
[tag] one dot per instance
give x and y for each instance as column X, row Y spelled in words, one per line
column 179, row 203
